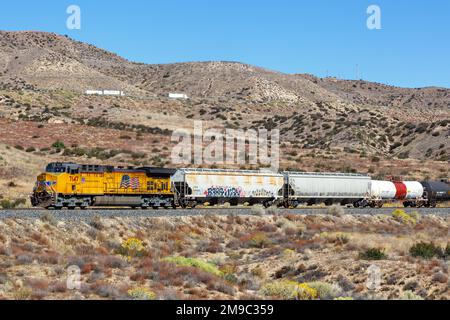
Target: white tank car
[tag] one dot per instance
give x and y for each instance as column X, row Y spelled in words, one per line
column 382, row 190
column 414, row 190
column 212, row 185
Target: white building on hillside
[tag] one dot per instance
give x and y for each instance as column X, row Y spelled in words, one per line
column 178, row 96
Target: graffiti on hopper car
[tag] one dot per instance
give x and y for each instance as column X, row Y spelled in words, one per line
column 224, row 192
column 260, row 193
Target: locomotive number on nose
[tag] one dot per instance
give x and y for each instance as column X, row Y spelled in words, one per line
column 74, row 179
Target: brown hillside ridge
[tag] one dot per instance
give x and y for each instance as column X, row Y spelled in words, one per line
column 325, row 124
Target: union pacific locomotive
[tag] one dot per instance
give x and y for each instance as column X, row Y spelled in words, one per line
column 70, row 185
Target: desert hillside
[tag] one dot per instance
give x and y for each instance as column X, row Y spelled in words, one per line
column 325, row 124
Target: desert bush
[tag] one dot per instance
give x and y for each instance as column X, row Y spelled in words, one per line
column 113, row 262
column 258, row 272
column 373, row 254
column 273, row 210
column 170, row 294
column 105, row 291
column 229, row 271
column 192, row 262
column 259, row 240
column 141, row 293
column 409, row 295
column 24, row 258
column 439, row 277
column 258, row 210
column 325, row 291
column 22, row 294
column 342, row 238
column 58, row 145
column 289, row 290
column 336, row 211
column 426, row 250
column 96, row 222
column 6, row 204
column 48, row 217
column 403, row 217
column 9, row 204
column 415, row 215
column 131, row 248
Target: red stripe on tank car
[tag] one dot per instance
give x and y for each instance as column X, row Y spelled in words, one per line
column 401, row 190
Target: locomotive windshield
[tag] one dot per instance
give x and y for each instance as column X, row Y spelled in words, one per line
column 61, row 167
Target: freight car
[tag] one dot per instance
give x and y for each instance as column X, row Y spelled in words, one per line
column 436, row 191
column 70, row 185
column 411, row 193
column 199, row 186
column 329, row 188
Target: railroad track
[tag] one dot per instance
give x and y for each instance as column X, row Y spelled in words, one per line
column 110, row 213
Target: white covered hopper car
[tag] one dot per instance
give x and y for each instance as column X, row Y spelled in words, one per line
column 329, row 188
column 213, row 186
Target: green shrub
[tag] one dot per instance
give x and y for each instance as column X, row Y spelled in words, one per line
column 141, row 293
column 58, row 145
column 6, row 204
column 325, row 290
column 426, row 250
column 289, row 290
column 403, row 217
column 131, row 248
column 192, row 262
column 409, row 295
column 373, row 254
column 259, row 240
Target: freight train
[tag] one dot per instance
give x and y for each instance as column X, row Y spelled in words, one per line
column 70, row 185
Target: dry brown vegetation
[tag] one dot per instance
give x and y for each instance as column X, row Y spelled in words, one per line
column 228, row 257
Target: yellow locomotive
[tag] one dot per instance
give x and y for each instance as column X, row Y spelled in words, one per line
column 70, row 185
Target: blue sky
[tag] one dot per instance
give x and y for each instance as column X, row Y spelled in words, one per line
column 320, row 37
